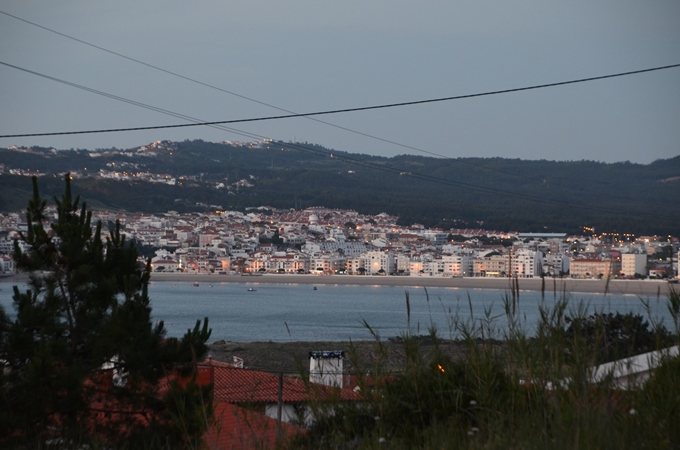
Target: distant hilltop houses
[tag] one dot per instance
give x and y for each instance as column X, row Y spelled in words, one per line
column 326, row 241
column 232, row 175
column 122, row 170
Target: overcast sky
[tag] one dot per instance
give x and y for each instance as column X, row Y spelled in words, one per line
column 306, row 56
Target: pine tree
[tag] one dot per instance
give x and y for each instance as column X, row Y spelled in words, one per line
column 83, row 362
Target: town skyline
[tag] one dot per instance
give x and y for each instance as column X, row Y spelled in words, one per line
column 327, row 241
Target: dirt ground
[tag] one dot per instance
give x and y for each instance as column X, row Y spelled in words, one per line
column 292, row 358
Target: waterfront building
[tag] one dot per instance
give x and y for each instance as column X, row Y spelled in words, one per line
column 6, row 264
column 457, row 265
column 402, row 264
column 555, row 264
column 634, row 264
column 356, row 265
column 590, row 268
column 378, row 262
column 527, row 263
column 327, row 263
column 490, row 266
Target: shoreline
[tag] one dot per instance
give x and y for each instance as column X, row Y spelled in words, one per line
column 590, row 286
column 630, row 287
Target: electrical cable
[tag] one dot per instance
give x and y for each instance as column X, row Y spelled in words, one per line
column 338, row 111
column 398, row 171
column 169, row 72
column 193, row 80
column 134, row 102
column 196, row 121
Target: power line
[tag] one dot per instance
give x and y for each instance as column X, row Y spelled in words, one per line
column 242, row 133
column 350, row 160
column 193, row 80
column 340, row 111
column 132, row 102
column 169, row 72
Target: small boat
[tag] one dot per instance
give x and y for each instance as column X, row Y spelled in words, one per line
column 252, row 289
column 315, row 288
column 196, row 284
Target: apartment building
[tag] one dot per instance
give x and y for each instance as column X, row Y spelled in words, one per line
column 633, row 264
column 527, row 263
column 556, row 264
column 403, row 263
column 457, row 265
column 378, row 262
column 491, row 266
column 591, row 268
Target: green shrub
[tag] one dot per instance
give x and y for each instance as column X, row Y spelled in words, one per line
column 528, row 392
column 615, row 336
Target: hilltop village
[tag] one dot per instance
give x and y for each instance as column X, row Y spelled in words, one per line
column 336, row 242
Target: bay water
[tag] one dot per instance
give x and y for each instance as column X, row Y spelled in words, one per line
column 249, row 312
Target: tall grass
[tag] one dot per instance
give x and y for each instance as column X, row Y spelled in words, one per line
column 535, row 390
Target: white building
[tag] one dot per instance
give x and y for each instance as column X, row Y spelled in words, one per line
column 165, row 265
column 325, row 367
column 434, row 267
column 418, row 266
column 457, row 265
column 378, row 262
column 6, row 264
column 355, row 265
column 633, row 264
column 436, row 237
column 527, row 263
column 490, row 266
column 555, row 264
column 347, row 248
column 403, row 264
column 326, row 263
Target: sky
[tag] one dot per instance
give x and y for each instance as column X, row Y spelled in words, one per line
column 307, row 56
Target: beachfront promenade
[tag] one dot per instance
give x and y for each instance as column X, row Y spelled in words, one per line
column 633, row 287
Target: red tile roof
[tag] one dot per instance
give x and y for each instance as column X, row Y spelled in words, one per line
column 233, row 427
column 236, row 385
column 238, row 428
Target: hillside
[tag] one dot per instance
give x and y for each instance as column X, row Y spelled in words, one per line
column 494, row 193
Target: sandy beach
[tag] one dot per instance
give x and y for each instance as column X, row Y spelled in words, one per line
column 633, row 287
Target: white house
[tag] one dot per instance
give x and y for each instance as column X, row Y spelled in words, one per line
column 6, row 264
column 632, row 372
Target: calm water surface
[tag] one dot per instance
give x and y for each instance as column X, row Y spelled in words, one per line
column 296, row 312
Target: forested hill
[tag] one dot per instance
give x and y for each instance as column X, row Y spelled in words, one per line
column 493, row 193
